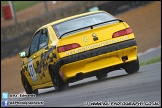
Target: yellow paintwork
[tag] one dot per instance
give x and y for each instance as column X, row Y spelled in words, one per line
column 104, row 33
column 98, row 62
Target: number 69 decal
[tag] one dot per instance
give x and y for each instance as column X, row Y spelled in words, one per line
column 32, row 70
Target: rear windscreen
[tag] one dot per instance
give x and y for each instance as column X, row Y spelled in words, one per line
column 81, row 22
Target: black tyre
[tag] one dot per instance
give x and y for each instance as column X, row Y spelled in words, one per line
column 100, row 76
column 132, row 66
column 27, row 86
column 57, row 81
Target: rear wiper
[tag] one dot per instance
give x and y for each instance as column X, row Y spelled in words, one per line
column 91, row 26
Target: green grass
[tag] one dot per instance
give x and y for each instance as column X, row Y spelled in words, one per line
column 20, row 5
column 4, row 2
column 154, row 60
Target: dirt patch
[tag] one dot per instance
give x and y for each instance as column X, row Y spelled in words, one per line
column 10, row 75
column 145, row 22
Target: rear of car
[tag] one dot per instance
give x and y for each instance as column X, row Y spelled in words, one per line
column 94, row 44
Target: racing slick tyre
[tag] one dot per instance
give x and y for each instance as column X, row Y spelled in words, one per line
column 57, row 81
column 27, row 86
column 100, row 76
column 132, row 66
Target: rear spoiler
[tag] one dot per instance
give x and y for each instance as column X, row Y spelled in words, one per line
column 91, row 26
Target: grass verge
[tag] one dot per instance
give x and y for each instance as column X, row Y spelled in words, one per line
column 154, row 60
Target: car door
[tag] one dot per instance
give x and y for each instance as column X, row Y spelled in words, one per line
column 34, row 75
column 43, row 54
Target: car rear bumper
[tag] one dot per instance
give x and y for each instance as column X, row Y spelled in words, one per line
column 96, row 59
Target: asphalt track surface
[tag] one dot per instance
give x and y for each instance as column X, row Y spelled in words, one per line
column 142, row 88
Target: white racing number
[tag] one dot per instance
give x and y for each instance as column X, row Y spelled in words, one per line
column 32, row 70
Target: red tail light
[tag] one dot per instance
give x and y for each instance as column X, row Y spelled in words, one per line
column 67, row 47
column 122, row 32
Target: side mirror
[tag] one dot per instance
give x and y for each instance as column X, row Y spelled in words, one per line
column 23, row 54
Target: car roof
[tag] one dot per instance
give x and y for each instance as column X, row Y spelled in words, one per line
column 71, row 17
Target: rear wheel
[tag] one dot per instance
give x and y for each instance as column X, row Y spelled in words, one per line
column 100, row 76
column 57, row 81
column 27, row 86
column 132, row 66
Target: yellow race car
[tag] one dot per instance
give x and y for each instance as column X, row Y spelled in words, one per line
column 77, row 47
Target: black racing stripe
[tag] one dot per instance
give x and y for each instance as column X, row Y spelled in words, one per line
column 93, row 53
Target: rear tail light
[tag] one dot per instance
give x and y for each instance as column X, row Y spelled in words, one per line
column 122, row 32
column 67, row 47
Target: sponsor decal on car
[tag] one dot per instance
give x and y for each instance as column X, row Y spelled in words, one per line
column 104, row 43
